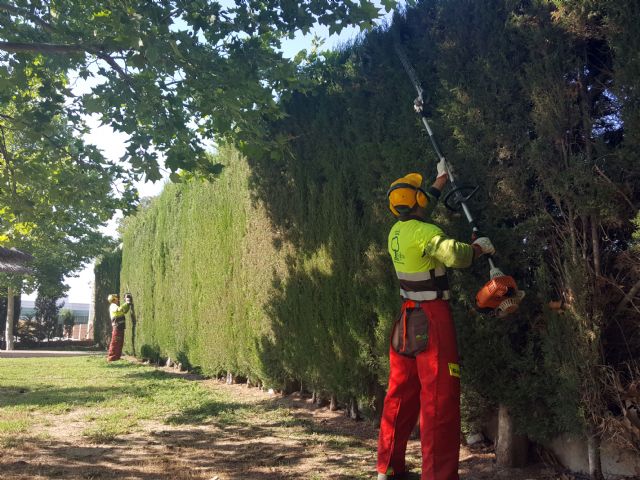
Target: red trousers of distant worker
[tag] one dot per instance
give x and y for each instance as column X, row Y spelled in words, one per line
column 428, row 386
column 117, row 341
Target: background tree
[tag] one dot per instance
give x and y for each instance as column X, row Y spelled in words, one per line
column 68, row 320
column 168, row 74
column 55, row 190
column 47, row 310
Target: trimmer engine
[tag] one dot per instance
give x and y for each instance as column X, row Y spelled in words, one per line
column 500, row 295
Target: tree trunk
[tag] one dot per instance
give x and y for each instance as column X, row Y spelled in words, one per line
column 595, row 243
column 573, row 235
column 511, row 449
column 333, row 403
column 585, row 242
column 230, row 378
column 628, row 297
column 320, row 399
column 92, row 315
column 380, row 394
column 10, row 314
column 593, row 451
column 353, row 412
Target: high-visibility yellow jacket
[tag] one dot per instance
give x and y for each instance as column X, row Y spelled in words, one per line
column 421, row 252
column 117, row 313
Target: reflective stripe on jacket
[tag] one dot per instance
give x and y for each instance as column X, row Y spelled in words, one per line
column 421, row 252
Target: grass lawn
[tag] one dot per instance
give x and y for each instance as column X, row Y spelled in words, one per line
column 114, row 398
column 81, row 417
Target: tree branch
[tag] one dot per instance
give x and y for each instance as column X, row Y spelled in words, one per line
column 602, row 174
column 628, row 297
column 117, row 68
column 15, row 47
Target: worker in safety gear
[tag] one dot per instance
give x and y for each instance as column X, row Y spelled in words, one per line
column 424, row 376
column 117, row 315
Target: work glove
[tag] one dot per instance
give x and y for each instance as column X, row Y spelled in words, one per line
column 128, row 298
column 484, row 246
column 442, row 168
column 418, row 105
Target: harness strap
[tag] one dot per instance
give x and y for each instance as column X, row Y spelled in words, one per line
column 404, row 328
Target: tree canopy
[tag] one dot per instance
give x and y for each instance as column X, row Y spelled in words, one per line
column 169, row 74
column 55, row 190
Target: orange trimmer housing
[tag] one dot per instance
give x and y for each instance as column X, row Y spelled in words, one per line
column 499, row 295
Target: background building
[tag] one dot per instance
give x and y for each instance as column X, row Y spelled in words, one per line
column 81, row 330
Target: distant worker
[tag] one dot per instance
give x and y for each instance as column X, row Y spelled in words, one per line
column 117, row 313
column 424, row 375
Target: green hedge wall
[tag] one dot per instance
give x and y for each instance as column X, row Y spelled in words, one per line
column 199, row 262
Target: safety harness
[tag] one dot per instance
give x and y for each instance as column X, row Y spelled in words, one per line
column 424, row 286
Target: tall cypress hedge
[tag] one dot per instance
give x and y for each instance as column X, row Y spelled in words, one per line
column 279, row 271
column 200, row 262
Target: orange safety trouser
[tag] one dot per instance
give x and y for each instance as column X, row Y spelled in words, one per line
column 117, row 341
column 427, row 385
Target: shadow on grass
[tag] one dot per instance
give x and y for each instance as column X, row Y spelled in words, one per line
column 208, row 411
column 174, row 454
column 268, row 439
column 42, row 396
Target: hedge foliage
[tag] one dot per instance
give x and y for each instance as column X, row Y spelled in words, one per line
column 279, row 272
column 199, row 262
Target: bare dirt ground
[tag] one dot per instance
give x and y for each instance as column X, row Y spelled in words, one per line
column 272, row 437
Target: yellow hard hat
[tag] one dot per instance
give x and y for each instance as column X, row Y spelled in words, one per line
column 405, row 194
column 113, row 297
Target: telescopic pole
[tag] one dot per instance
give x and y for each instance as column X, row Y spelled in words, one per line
column 418, row 106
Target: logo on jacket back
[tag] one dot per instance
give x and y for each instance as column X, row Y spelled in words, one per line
column 395, row 247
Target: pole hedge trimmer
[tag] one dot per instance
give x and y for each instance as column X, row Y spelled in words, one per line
column 500, row 295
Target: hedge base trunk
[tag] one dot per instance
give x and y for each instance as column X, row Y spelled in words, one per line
column 593, row 452
column 333, row 403
column 511, row 449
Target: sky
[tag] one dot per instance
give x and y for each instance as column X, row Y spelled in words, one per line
column 113, row 143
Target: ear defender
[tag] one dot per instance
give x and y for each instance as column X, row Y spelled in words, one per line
column 421, row 198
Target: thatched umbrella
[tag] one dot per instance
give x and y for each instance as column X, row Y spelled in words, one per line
column 14, row 261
